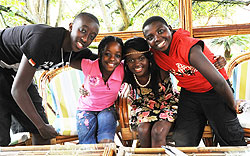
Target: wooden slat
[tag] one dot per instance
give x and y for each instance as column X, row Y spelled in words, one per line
column 187, row 149
column 221, row 31
column 122, row 34
column 185, row 15
column 213, row 31
column 83, row 149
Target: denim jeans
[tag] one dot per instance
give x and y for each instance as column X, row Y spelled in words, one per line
column 94, row 126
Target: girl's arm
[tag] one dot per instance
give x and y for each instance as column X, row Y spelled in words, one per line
column 203, row 65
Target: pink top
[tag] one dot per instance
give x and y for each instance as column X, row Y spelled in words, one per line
column 101, row 95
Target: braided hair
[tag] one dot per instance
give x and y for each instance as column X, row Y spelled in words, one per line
column 105, row 41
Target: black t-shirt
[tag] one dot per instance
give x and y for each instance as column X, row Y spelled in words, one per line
column 41, row 44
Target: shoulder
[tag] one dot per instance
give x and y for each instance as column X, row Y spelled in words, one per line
column 37, row 28
column 182, row 38
column 120, row 67
column 119, row 72
column 84, row 54
column 89, row 62
column 88, row 66
column 43, row 32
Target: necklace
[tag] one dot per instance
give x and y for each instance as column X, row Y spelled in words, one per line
column 142, row 86
column 67, row 63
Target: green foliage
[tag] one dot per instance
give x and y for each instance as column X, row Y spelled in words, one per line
column 168, row 9
column 211, row 13
column 204, row 13
column 227, row 42
column 9, row 17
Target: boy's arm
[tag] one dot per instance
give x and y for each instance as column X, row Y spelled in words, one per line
column 76, row 63
column 203, row 65
column 19, row 92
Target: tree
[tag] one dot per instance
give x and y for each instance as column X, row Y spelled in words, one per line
column 19, row 12
column 228, row 41
column 13, row 12
column 117, row 15
column 106, row 16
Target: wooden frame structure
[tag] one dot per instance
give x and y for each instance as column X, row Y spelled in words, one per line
column 42, row 150
column 191, row 151
column 185, row 17
column 204, row 32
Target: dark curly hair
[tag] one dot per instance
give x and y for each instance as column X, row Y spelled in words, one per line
column 104, row 42
column 140, row 44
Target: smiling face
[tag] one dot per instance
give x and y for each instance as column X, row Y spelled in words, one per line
column 138, row 64
column 158, row 35
column 82, row 32
column 111, row 56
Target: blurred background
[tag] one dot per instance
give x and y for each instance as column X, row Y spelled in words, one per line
column 128, row 15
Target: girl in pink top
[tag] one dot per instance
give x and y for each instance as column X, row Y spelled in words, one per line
column 96, row 115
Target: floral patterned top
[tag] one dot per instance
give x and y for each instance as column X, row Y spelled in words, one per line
column 148, row 108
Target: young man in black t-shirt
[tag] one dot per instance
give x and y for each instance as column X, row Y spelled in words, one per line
column 25, row 49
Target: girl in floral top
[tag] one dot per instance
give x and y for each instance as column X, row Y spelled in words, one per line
column 153, row 101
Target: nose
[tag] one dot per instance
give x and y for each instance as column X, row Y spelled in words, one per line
column 112, row 57
column 137, row 62
column 84, row 38
column 156, row 38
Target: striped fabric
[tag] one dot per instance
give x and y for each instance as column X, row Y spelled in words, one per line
column 241, row 84
column 241, row 81
column 174, row 82
column 64, row 90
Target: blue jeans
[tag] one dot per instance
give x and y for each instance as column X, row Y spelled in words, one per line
column 94, row 126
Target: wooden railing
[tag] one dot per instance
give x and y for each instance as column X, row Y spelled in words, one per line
column 199, row 32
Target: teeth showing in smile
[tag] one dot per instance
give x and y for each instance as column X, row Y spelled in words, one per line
column 161, row 44
column 79, row 45
column 111, row 64
column 138, row 69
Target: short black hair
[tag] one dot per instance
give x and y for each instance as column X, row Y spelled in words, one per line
column 154, row 19
column 105, row 41
column 93, row 17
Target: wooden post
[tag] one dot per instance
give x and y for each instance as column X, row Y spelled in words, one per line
column 185, row 15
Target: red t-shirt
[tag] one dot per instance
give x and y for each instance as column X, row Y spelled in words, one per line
column 178, row 64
